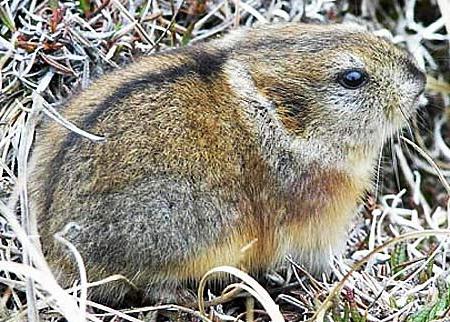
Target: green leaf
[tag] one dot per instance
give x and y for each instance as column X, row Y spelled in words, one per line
column 420, row 316
column 85, row 6
column 356, row 316
column 187, row 36
column 53, row 4
column 437, row 309
column 7, row 20
column 393, row 302
column 434, row 310
column 346, row 317
column 398, row 257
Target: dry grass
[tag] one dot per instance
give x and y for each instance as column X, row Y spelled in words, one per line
column 396, row 266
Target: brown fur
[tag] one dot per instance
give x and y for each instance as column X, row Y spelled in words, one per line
column 235, row 152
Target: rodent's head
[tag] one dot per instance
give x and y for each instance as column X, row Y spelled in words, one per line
column 334, row 82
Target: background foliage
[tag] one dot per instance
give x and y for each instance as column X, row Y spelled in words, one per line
column 51, row 49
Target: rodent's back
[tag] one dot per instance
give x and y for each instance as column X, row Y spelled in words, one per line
column 163, row 127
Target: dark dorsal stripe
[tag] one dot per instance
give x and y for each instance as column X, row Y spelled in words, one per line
column 206, row 65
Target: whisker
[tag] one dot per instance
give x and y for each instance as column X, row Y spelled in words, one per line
column 378, row 172
column 377, row 178
column 401, row 143
column 394, row 160
column 420, row 121
column 408, row 126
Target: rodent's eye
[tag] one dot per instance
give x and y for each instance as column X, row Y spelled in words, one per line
column 353, row 78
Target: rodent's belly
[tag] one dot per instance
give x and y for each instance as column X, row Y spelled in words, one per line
column 252, row 249
column 274, row 226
